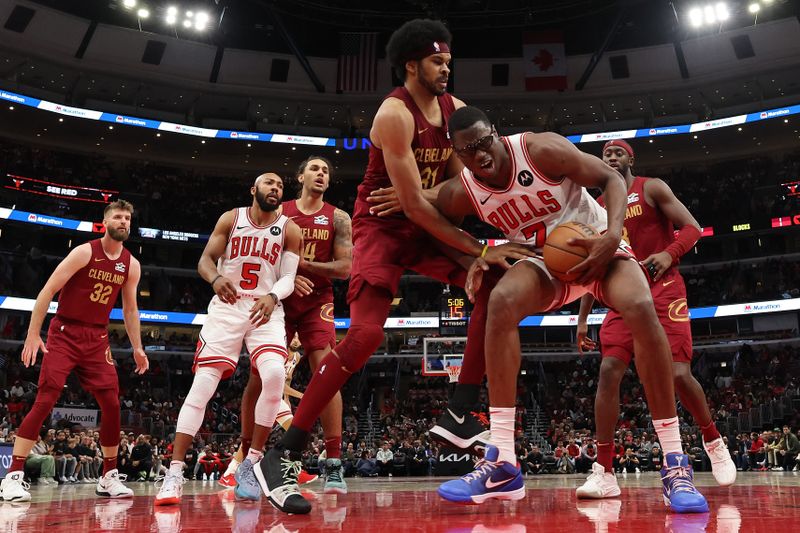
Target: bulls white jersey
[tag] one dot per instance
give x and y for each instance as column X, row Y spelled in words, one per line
column 252, row 257
column 532, row 204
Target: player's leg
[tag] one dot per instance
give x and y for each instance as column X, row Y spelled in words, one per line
column 277, row 475
column 523, row 290
column 625, row 289
column 602, row 483
column 56, row 366
column 246, row 415
column 267, row 346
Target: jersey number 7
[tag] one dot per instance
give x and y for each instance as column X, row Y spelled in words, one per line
column 538, row 230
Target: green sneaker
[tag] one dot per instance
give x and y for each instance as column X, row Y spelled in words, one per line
column 334, row 477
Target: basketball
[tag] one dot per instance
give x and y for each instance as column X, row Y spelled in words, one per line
column 559, row 256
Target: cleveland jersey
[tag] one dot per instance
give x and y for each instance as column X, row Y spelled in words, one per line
column 90, row 294
column 318, row 233
column 252, row 257
column 646, row 228
column 430, row 144
column 532, row 205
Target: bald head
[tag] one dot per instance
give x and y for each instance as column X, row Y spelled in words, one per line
column 265, row 175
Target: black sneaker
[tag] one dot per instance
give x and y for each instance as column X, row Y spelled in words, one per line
column 469, row 431
column 277, row 474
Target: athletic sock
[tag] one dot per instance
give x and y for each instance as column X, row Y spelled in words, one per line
column 605, row 456
column 176, row 468
column 109, row 464
column 333, row 447
column 502, row 429
column 254, row 455
column 669, row 435
column 17, row 463
column 710, row 432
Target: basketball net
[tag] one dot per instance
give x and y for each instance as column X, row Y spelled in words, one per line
column 453, row 371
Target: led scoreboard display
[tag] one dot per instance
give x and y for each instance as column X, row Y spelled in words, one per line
column 453, row 315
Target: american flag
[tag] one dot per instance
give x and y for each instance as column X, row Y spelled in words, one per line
column 358, row 65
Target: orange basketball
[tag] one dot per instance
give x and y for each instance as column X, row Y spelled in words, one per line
column 559, row 256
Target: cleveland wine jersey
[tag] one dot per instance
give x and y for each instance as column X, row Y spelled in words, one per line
column 532, row 204
column 252, row 257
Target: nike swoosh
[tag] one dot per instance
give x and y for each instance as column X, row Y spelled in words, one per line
column 104, row 336
column 668, row 424
column 485, row 199
column 493, row 485
column 420, row 132
column 668, row 282
column 459, row 419
column 240, row 227
column 97, row 260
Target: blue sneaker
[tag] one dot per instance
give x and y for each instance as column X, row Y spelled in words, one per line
column 679, row 490
column 491, row 479
column 247, row 487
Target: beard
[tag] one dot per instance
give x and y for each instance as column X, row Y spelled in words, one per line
column 430, row 85
column 261, row 199
column 118, row 234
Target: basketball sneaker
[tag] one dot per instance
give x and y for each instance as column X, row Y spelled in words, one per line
column 171, row 489
column 245, row 517
column 599, row 484
column 112, row 514
column 228, row 479
column 110, row 486
column 246, row 484
column 277, row 475
column 334, row 482
column 465, row 431
column 491, row 479
column 168, row 519
column 722, row 465
column 14, row 488
column 686, row 523
column 679, row 491
column 305, row 477
column 600, row 512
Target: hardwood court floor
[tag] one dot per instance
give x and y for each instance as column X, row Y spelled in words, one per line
column 759, row 501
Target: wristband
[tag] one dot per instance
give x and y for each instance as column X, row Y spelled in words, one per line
column 215, row 280
column 485, row 249
column 274, row 297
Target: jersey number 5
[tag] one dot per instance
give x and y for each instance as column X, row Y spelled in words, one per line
column 250, row 276
column 538, row 230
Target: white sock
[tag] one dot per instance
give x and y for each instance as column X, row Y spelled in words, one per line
column 176, row 467
column 502, row 421
column 669, row 435
column 254, row 455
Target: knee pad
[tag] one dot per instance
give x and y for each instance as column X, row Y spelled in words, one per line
column 204, row 385
column 358, row 345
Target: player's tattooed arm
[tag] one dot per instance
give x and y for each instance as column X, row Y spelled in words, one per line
column 339, row 268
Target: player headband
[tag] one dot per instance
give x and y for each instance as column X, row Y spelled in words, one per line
column 436, row 47
column 622, row 144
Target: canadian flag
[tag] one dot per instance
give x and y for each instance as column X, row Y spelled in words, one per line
column 545, row 61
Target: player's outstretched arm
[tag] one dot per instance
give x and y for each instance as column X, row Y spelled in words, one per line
column 339, row 268
column 215, row 248
column 75, row 260
column 558, row 159
column 130, row 315
column 661, row 196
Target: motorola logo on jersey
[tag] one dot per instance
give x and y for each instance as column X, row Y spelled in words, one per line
column 275, row 230
column 525, row 178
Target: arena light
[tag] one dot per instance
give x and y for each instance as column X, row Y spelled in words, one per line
column 696, row 17
column 709, row 15
column 754, row 8
column 187, row 23
column 172, row 15
column 129, row 4
column 722, row 12
column 143, row 13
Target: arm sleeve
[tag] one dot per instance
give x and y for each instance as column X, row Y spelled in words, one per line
column 686, row 239
column 284, row 287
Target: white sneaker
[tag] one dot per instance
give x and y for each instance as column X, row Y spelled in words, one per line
column 171, row 489
column 112, row 514
column 168, row 519
column 722, row 465
column 599, row 484
column 13, row 516
column 110, row 486
column 14, row 488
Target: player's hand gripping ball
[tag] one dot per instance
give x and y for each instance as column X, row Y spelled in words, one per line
column 559, row 256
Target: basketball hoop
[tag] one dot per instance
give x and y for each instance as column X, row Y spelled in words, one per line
column 453, row 371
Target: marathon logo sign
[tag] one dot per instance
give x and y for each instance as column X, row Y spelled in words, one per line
column 761, row 308
column 58, row 190
column 608, row 136
column 153, row 317
column 130, row 121
column 299, row 139
column 774, row 113
column 84, row 417
column 720, row 123
column 241, row 135
column 12, row 97
column 187, row 130
column 70, row 111
column 662, row 131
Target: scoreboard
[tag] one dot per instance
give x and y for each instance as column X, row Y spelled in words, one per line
column 453, row 315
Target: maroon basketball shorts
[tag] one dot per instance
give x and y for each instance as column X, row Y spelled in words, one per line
column 82, row 348
column 669, row 297
column 385, row 248
column 311, row 317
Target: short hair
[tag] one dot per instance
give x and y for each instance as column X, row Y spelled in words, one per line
column 464, row 118
column 411, row 37
column 121, row 205
column 302, row 166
